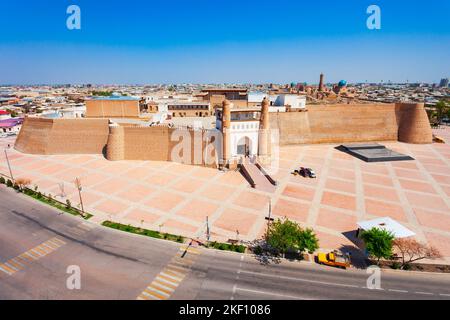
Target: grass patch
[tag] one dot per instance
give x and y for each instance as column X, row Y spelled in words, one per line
column 226, row 246
column 144, row 232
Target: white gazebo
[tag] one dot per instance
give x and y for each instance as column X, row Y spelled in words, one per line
column 388, row 224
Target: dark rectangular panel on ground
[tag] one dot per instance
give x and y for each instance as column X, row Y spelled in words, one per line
column 373, row 152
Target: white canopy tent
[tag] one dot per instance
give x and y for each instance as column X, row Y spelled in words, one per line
column 387, row 224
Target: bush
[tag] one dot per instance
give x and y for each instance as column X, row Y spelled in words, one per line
column 68, row 204
column 287, row 236
column 379, row 243
column 2, row 180
column 9, row 183
column 396, row 265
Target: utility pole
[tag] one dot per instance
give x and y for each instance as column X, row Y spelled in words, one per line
column 269, row 218
column 207, row 229
column 9, row 166
column 78, row 186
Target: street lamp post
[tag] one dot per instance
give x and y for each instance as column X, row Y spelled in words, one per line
column 78, row 186
column 269, row 218
column 9, row 166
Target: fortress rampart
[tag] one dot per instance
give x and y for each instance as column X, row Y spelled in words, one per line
column 321, row 124
column 63, row 136
column 353, row 123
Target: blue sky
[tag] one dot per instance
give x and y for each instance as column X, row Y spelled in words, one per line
column 215, row 41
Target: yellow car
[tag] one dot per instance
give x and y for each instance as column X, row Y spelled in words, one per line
column 334, row 259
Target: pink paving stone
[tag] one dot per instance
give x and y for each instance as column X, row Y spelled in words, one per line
column 139, row 215
column 433, row 219
column 378, row 169
column 299, row 192
column 306, row 181
column 380, row 193
column 384, row 209
column 70, row 175
column 81, row 159
column 137, row 173
column 405, row 165
column 337, row 221
column 205, row 173
column 217, row 192
column 291, row 210
column 330, row 241
column 409, row 174
column 160, row 179
column 446, row 190
column 197, row 210
column 179, row 169
column 92, row 178
column 342, row 173
column 429, row 160
column 426, row 201
column 233, row 220
column 440, row 242
column 340, row 185
column 378, row 180
column 417, row 186
column 232, row 178
column 98, row 163
column 175, row 225
column 164, row 201
column 52, row 169
column 343, row 164
column 45, row 183
column 188, row 185
column 21, row 161
column 252, row 200
column 112, row 186
column 338, row 200
column 88, row 197
column 443, row 170
column 116, row 167
column 135, row 193
column 442, row 179
column 112, row 207
column 38, row 164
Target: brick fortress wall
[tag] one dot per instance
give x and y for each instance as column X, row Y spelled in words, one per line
column 63, row 136
column 353, row 123
column 161, row 143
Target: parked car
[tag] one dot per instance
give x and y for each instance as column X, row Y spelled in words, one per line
column 310, row 172
column 334, row 259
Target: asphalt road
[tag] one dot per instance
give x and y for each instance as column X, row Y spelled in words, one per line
column 117, row 265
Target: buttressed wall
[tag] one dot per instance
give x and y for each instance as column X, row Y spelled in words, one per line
column 354, row 123
column 161, row 143
column 62, row 136
column 112, row 108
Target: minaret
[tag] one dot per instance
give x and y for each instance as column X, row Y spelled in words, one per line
column 321, row 83
column 263, row 135
column 226, row 120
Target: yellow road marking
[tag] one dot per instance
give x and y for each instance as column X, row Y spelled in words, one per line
column 165, row 284
column 7, row 268
column 164, row 290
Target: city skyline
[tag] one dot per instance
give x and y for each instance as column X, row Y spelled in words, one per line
column 251, row 42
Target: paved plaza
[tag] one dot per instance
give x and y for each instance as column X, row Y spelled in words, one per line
column 177, row 198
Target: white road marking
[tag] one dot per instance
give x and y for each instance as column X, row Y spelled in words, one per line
column 421, row 292
column 398, row 290
column 167, row 281
column 303, row 280
column 273, row 294
column 171, row 277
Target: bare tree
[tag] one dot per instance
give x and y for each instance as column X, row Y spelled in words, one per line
column 411, row 250
column 23, row 183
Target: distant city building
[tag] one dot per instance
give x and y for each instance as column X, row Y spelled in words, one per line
column 444, row 83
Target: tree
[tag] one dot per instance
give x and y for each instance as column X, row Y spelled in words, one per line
column 411, row 250
column 23, row 183
column 378, row 243
column 285, row 235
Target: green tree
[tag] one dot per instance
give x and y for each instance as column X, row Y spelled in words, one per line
column 379, row 243
column 285, row 235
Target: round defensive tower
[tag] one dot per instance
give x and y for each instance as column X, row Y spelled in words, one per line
column 115, row 146
column 413, row 123
column 263, row 134
column 226, row 123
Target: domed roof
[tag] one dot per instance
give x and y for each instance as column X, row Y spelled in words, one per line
column 342, row 83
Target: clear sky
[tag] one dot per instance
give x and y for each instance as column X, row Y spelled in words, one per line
column 216, row 41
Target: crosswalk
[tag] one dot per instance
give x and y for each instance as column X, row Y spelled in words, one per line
column 21, row 261
column 167, row 281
